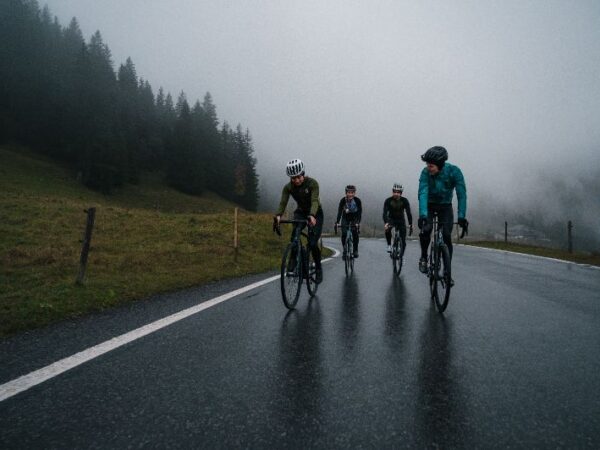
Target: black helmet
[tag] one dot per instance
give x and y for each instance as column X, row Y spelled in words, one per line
column 350, row 187
column 435, row 155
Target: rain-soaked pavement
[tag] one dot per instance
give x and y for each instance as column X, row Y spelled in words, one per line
column 368, row 363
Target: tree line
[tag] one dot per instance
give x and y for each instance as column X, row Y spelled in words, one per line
column 61, row 95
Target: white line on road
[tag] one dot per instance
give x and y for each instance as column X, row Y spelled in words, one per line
column 588, row 266
column 36, row 377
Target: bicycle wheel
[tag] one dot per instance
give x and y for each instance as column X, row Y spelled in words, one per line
column 291, row 280
column 398, row 259
column 347, row 249
column 311, row 277
column 442, row 276
column 395, row 254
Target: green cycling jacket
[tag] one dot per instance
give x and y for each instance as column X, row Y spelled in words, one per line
column 438, row 189
column 306, row 195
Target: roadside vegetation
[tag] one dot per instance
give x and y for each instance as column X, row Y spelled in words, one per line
column 148, row 238
column 578, row 257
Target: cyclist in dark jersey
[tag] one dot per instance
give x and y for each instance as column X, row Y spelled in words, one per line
column 350, row 212
column 305, row 191
column 436, row 185
column 394, row 208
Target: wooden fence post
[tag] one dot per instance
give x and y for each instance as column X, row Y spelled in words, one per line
column 85, row 248
column 570, row 236
column 506, row 232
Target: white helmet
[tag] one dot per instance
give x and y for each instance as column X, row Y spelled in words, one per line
column 398, row 187
column 294, row 168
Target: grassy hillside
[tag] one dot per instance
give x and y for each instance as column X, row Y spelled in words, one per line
column 147, row 239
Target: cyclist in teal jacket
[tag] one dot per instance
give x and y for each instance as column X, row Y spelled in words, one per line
column 436, row 185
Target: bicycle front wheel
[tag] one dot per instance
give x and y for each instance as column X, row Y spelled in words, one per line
column 396, row 264
column 442, row 274
column 347, row 249
column 291, row 275
column 311, row 277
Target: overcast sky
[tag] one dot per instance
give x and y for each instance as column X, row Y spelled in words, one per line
column 359, row 89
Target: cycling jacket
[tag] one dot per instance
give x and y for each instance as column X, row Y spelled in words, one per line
column 306, row 195
column 393, row 210
column 438, row 189
column 351, row 210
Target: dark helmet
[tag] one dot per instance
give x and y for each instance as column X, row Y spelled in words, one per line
column 350, row 188
column 435, row 155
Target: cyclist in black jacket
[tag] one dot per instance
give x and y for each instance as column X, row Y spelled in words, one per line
column 350, row 212
column 393, row 216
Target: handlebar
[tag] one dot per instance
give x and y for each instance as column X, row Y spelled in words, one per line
column 277, row 228
column 352, row 225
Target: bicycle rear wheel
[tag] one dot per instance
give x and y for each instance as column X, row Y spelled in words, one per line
column 311, row 277
column 291, row 275
column 441, row 275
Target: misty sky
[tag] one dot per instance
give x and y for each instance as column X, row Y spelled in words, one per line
column 359, row 90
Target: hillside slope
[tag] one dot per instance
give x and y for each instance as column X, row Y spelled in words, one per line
column 147, row 239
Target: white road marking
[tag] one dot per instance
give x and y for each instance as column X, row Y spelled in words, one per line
column 36, row 377
column 588, row 266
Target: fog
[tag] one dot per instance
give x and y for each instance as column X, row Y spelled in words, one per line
column 358, row 90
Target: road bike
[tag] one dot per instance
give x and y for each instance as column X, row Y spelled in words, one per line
column 297, row 264
column 439, row 270
column 397, row 251
column 349, row 247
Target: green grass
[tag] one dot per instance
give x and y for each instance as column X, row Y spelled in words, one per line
column 137, row 249
column 583, row 258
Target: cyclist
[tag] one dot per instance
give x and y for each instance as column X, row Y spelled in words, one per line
column 349, row 211
column 437, row 182
column 305, row 191
column 394, row 208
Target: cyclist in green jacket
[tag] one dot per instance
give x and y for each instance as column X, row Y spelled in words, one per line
column 305, row 191
column 436, row 185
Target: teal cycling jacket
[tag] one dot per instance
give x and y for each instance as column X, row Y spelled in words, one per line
column 438, row 189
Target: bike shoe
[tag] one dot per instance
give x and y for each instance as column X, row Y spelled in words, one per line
column 423, row 265
column 319, row 274
column 355, row 254
column 389, row 249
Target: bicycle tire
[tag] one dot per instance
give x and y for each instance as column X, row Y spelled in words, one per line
column 442, row 275
column 347, row 258
column 399, row 259
column 311, row 276
column 291, row 284
column 395, row 253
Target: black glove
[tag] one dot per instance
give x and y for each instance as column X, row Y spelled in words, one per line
column 358, row 228
column 422, row 222
column 335, row 227
column 464, row 224
column 410, row 230
column 276, row 226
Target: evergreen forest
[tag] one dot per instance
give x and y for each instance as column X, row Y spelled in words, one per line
column 61, row 96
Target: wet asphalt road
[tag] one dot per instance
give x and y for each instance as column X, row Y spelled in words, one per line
column 368, row 363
